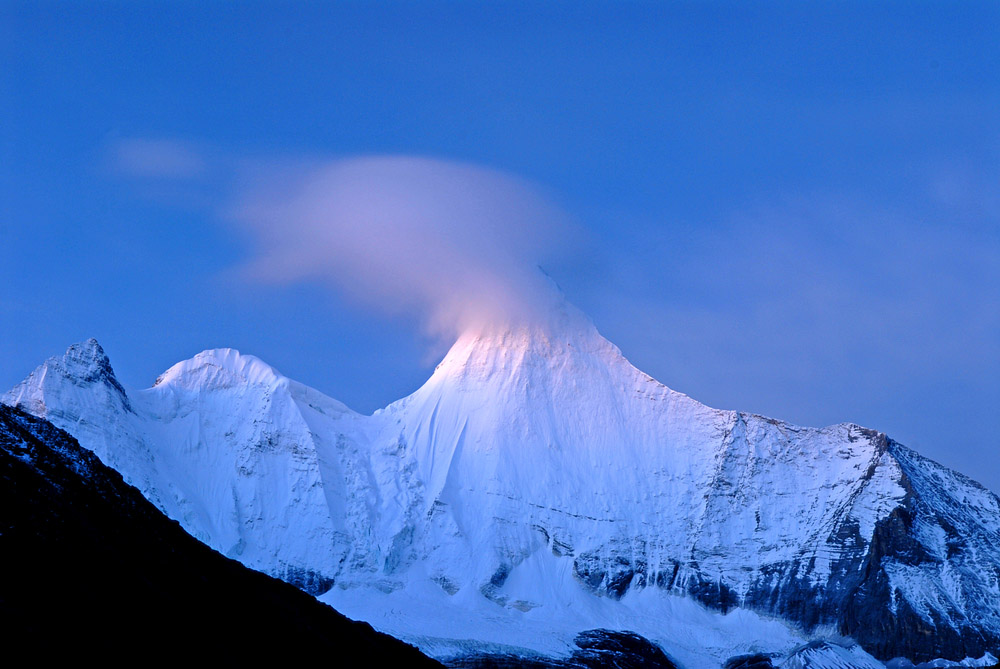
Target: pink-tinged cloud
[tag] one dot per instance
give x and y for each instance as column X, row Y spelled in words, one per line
column 458, row 243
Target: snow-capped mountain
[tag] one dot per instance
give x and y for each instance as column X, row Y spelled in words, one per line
column 538, row 485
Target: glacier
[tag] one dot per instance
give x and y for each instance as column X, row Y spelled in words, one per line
column 539, row 485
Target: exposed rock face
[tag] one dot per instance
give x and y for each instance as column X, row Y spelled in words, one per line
column 596, row 649
column 537, row 467
column 620, row 650
column 752, row 661
column 92, row 569
column 926, row 559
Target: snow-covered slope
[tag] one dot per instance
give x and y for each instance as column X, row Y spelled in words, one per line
column 538, row 485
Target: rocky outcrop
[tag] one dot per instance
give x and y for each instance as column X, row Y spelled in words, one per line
column 596, row 649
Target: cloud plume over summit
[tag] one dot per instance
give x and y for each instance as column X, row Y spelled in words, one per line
column 459, row 244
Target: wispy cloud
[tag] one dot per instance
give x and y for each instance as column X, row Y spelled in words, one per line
column 457, row 243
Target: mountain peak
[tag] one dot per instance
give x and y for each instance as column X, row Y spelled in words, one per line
column 219, row 367
column 538, row 469
column 559, row 327
column 84, row 364
column 563, row 350
column 86, row 361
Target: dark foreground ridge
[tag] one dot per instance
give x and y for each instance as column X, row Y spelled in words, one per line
column 90, row 569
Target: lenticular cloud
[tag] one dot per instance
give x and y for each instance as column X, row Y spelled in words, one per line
column 457, row 242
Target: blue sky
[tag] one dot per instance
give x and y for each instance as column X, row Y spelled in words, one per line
column 786, row 208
